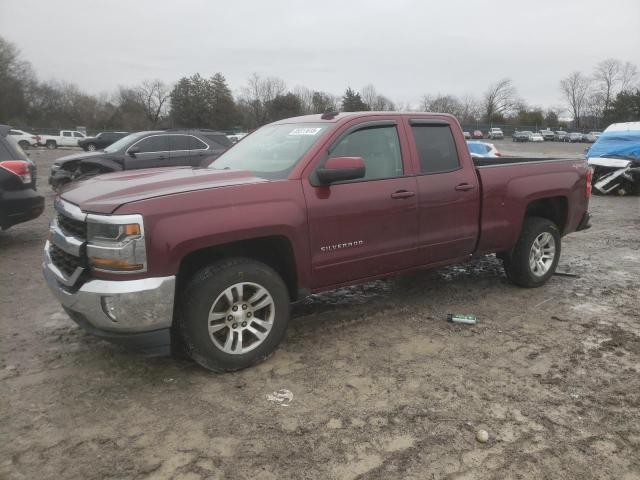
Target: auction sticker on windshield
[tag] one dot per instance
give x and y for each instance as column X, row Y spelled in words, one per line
column 305, row 131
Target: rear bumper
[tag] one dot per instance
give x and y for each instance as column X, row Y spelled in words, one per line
column 134, row 313
column 20, row 206
column 585, row 223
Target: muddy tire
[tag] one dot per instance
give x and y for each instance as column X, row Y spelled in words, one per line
column 535, row 256
column 233, row 314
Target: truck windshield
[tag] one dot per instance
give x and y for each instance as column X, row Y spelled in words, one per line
column 272, row 151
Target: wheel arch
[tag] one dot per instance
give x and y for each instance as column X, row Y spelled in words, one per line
column 555, row 209
column 275, row 251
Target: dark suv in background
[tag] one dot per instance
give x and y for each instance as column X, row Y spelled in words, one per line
column 100, row 141
column 160, row 148
column 19, row 201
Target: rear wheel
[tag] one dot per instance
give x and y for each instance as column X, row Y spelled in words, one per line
column 51, row 144
column 234, row 313
column 24, row 144
column 535, row 256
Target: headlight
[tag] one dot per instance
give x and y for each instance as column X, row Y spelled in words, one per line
column 116, row 243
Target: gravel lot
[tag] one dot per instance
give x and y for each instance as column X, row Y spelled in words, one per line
column 383, row 387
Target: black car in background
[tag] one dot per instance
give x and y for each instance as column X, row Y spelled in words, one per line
column 100, row 141
column 19, row 201
column 522, row 136
column 160, row 148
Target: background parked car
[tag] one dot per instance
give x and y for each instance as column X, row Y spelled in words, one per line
column 100, row 141
column 477, row 134
column 467, row 135
column 19, row 201
column 560, row 135
column 483, row 149
column 536, row 137
column 548, row 135
column 24, row 139
column 591, row 137
column 573, row 137
column 495, row 133
column 522, row 136
column 67, row 138
column 236, row 137
column 161, row 148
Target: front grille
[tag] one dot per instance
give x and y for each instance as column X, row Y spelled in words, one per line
column 71, row 227
column 65, row 262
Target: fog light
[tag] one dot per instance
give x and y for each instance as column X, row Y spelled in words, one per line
column 109, row 307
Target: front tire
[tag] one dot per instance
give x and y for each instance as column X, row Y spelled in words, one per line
column 24, row 144
column 234, row 313
column 535, row 256
column 91, row 147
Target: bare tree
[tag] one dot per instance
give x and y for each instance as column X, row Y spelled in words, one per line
column 628, row 75
column 442, row 104
column 306, row 98
column 153, row 96
column 375, row 100
column 258, row 93
column 607, row 75
column 471, row 109
column 575, row 89
column 499, row 99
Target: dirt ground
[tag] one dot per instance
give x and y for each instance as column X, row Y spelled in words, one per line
column 382, row 387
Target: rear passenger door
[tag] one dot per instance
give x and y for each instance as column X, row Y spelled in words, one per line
column 186, row 150
column 448, row 192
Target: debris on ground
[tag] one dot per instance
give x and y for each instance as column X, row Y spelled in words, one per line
column 456, row 318
column 482, row 436
column 282, row 397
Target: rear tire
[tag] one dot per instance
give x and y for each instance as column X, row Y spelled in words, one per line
column 535, row 256
column 51, row 145
column 24, row 144
column 233, row 314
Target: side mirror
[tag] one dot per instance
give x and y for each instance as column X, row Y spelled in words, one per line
column 340, row 169
column 133, row 151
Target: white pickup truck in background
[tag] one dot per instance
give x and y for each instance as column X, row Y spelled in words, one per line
column 67, row 138
column 495, row 133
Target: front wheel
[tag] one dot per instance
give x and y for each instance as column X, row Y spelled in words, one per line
column 535, row 256
column 234, row 313
column 91, row 147
column 24, row 144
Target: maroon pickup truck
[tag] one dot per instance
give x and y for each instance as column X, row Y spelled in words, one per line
column 210, row 258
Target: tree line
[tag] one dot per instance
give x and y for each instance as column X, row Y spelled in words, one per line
column 610, row 93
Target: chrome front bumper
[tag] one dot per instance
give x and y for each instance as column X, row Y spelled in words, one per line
column 135, row 305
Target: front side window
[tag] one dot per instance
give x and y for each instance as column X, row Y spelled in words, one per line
column 155, row 143
column 436, row 148
column 78, row 135
column 379, row 147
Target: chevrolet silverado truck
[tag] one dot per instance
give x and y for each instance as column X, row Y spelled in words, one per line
column 209, row 259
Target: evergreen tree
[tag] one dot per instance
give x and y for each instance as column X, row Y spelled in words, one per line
column 352, row 102
column 284, row 106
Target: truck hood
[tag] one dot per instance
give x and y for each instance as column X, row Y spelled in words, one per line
column 106, row 193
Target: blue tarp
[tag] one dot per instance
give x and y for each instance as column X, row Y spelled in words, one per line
column 624, row 143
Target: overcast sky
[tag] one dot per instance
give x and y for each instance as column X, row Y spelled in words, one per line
column 405, row 48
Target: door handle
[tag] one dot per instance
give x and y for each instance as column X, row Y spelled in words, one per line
column 464, row 187
column 402, row 194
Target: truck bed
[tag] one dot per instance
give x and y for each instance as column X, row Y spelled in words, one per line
column 510, row 184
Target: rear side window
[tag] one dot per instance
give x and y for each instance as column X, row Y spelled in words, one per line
column 436, row 148
column 219, row 141
column 66, row 134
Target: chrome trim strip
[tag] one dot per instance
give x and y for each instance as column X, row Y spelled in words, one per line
column 71, row 245
column 68, row 281
column 169, row 151
column 69, row 209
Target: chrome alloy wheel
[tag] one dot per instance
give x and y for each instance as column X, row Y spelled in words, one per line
column 542, row 254
column 241, row 318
